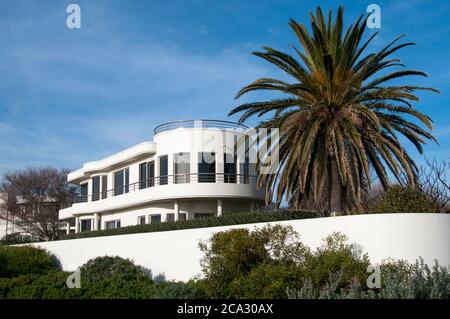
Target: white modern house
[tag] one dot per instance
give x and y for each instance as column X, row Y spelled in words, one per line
column 191, row 169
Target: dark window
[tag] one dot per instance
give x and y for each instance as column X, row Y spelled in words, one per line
column 207, row 168
column 182, row 167
column 245, row 166
column 104, row 186
column 182, row 216
column 229, row 168
column 141, row 220
column 121, row 181
column 151, row 174
column 170, row 217
column 95, row 188
column 86, row 225
column 163, row 170
column 155, row 219
column 84, row 192
column 112, row 224
column 118, row 183
column 127, row 180
column 142, row 175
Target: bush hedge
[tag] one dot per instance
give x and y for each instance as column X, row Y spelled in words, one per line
column 16, row 261
column 106, row 267
column 263, row 263
column 226, row 219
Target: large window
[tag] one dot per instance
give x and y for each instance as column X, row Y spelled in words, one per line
column 163, row 170
column 151, row 174
column 104, row 186
column 146, row 174
column 95, row 188
column 206, row 167
column 86, row 225
column 229, row 168
column 143, row 175
column 154, row 219
column 182, row 167
column 245, row 165
column 141, row 220
column 121, row 181
column 84, row 192
column 112, row 224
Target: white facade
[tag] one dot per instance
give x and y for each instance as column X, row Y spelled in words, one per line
column 176, row 253
column 192, row 169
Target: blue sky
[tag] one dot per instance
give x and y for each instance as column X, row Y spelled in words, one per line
column 71, row 96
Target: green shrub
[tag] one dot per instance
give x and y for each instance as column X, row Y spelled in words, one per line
column 177, row 290
column 15, row 239
column 267, row 280
column 118, row 287
column 16, row 261
column 399, row 280
column 33, row 286
column 264, row 262
column 226, row 219
column 107, row 267
column 398, row 199
column 231, row 255
column 336, row 255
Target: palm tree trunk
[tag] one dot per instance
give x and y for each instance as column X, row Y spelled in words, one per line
column 335, row 189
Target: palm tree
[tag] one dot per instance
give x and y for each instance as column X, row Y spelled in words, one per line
column 339, row 121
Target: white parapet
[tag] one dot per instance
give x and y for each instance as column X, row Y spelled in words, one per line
column 382, row 236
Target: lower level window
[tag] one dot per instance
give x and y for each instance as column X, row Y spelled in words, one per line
column 112, row 224
column 86, row 225
column 155, row 219
column 141, row 220
column 170, row 217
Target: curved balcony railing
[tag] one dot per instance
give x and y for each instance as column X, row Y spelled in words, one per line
column 200, row 124
column 169, row 179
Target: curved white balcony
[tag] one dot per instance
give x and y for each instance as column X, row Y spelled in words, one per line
column 170, row 187
column 130, row 154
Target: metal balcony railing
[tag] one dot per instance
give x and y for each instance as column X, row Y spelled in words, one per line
column 169, row 179
column 200, row 124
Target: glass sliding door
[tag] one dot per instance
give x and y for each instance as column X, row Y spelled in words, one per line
column 142, row 175
column 182, row 167
column 207, row 167
column 95, row 188
column 127, row 179
column 85, row 225
column 104, row 186
column 229, row 168
column 118, row 183
column 84, row 192
column 163, row 170
column 151, row 174
column 245, row 165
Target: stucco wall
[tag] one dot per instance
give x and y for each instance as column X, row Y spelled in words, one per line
column 176, row 253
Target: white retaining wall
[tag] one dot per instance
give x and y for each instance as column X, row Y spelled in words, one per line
column 176, row 253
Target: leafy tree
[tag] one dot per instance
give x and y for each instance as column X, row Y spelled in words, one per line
column 399, row 199
column 339, row 116
column 33, row 198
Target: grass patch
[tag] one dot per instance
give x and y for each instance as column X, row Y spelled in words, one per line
column 225, row 220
